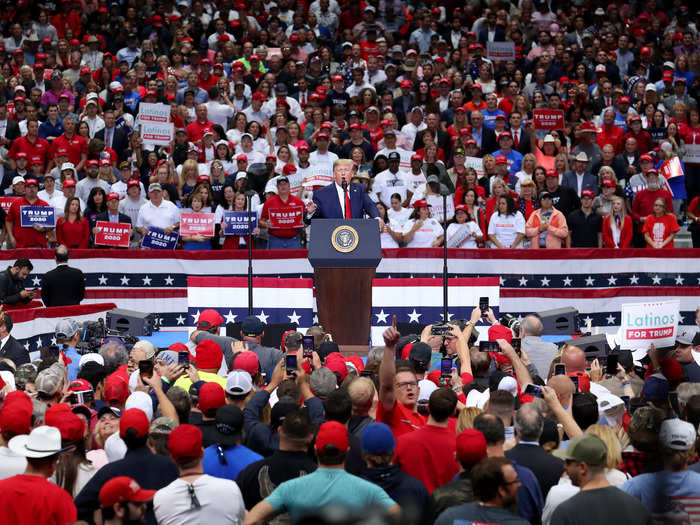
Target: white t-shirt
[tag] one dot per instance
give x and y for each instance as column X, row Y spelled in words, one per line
column 425, row 236
column 131, row 208
column 387, row 241
column 163, row 216
column 220, row 502
column 506, row 228
column 11, row 464
column 85, row 186
column 219, row 113
column 387, row 183
column 415, row 181
column 462, row 235
column 399, row 217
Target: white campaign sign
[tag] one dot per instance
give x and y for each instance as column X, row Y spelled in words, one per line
column 646, row 323
column 500, row 50
column 156, row 128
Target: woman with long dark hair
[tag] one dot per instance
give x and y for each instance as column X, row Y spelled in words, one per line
column 463, row 231
column 507, row 225
column 73, row 230
column 96, row 203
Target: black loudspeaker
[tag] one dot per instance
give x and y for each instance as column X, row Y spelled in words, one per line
column 409, row 328
column 272, row 336
column 594, row 346
column 129, row 321
column 559, row 321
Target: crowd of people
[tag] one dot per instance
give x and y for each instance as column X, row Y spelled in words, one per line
column 430, row 428
column 265, row 97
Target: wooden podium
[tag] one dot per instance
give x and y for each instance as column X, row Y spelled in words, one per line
column 345, row 254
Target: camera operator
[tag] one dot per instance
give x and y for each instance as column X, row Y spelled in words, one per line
column 68, row 336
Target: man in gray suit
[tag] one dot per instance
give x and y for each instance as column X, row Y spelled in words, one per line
column 540, row 352
column 579, row 179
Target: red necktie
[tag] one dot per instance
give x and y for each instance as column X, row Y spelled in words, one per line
column 348, row 209
column 516, row 140
column 303, row 100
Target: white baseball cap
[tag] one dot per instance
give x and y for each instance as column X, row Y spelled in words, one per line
column 677, row 434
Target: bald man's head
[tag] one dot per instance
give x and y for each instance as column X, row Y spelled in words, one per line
column 575, row 359
column 564, row 387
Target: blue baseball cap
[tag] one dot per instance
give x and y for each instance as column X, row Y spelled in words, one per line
column 252, row 326
column 378, row 439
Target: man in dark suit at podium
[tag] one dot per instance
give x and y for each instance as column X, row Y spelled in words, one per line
column 62, row 286
column 341, row 201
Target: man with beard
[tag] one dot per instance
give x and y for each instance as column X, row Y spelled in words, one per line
column 84, row 187
column 123, row 502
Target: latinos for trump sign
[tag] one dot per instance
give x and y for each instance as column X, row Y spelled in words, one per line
column 113, row 234
column 37, row 216
column 156, row 127
column 197, row 224
column 159, row 240
column 647, row 323
column 548, row 119
column 236, row 222
column 500, row 50
column 292, row 217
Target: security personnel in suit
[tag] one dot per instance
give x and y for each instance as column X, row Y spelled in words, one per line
column 62, row 286
column 10, row 347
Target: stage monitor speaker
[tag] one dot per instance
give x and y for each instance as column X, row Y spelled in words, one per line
column 272, row 336
column 559, row 321
column 594, row 346
column 129, row 321
column 409, row 328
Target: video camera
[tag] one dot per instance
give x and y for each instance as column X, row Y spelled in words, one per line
column 94, row 333
column 511, row 322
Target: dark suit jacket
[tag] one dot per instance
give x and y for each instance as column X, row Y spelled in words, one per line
column 483, row 39
column 63, row 286
column 328, row 204
column 120, row 141
column 12, row 131
column 15, row 351
column 524, row 146
column 443, row 141
column 489, row 144
column 104, row 216
column 620, row 164
column 547, row 468
column 590, row 181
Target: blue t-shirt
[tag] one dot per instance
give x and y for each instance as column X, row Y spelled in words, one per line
column 515, row 160
column 237, row 458
column 663, row 492
column 490, row 117
column 324, row 487
column 73, row 368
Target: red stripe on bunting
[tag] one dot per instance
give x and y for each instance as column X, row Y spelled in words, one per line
column 29, row 314
column 599, row 293
column 135, row 293
column 242, row 282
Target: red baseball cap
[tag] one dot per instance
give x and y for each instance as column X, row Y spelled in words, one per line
column 326, row 125
column 551, row 173
column 336, row 364
column 92, row 162
column 240, row 158
column 332, row 433
column 323, row 135
column 69, row 183
column 116, row 389
column 72, row 428
column 417, row 156
column 31, row 182
column 247, row 361
column 498, row 331
column 505, row 134
column 79, row 385
column 209, row 317
column 645, row 50
column 588, row 193
column 288, row 169
column 588, row 126
column 112, row 195
column 15, row 419
column 385, row 122
column 303, row 146
column 462, row 207
column 477, row 86
column 208, row 355
column 471, row 447
column 667, row 76
column 465, row 131
column 421, row 203
column 610, row 183
column 130, row 183
column 645, row 157
column 133, row 419
column 211, row 396
column 355, row 125
column 185, row 442
column 406, row 83
column 501, row 159
column 337, row 78
column 624, row 99
column 203, row 178
column 121, row 489
column 61, row 152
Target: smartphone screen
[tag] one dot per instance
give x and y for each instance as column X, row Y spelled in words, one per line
column 146, row 368
column 484, row 306
column 183, row 358
column 533, row 390
column 575, row 380
column 488, row 346
column 560, row 369
column 291, row 363
column 307, row 344
column 446, row 367
column 515, row 343
column 85, row 397
column 611, row 365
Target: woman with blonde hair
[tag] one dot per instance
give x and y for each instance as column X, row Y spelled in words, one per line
column 466, row 418
column 614, row 459
column 607, row 181
column 527, row 168
column 617, row 229
column 188, row 177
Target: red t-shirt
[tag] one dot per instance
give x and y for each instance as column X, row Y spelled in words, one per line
column 30, row 500
column 429, row 455
column 39, row 148
column 195, row 131
column 25, row 237
column 400, row 419
column 275, row 203
column 76, row 146
column 659, row 228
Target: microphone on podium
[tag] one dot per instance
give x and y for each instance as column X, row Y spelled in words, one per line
column 344, row 185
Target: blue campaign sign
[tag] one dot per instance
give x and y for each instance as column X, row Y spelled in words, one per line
column 37, row 216
column 236, row 222
column 159, row 240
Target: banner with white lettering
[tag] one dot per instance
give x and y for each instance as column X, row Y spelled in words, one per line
column 197, row 224
column 291, row 217
column 113, row 234
column 159, row 240
column 155, row 125
column 476, row 163
column 548, row 119
column 672, row 168
column 37, row 216
column 236, row 222
column 322, row 176
column 647, row 323
column 6, row 202
column 500, row 51
column 692, row 154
